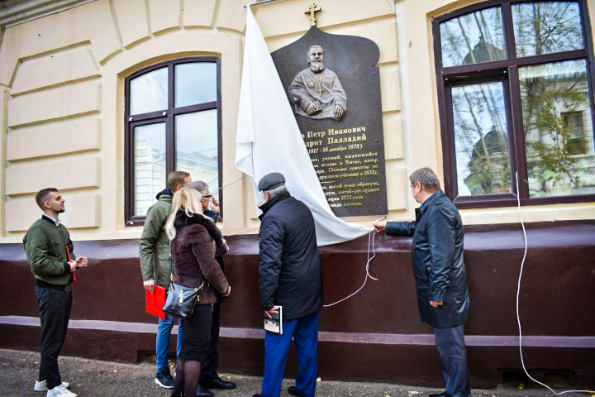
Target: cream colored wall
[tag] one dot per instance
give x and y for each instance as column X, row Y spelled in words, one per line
column 3, row 100
column 62, row 100
column 63, row 110
column 421, row 116
column 64, row 75
column 376, row 21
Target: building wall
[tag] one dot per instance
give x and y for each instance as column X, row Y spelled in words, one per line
column 62, row 107
column 374, row 336
column 373, row 20
column 422, row 123
column 64, row 76
column 62, row 101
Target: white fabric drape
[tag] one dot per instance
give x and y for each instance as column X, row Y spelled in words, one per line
column 269, row 140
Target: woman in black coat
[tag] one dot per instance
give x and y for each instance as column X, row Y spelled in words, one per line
column 195, row 242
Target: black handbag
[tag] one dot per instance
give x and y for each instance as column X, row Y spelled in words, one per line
column 180, row 300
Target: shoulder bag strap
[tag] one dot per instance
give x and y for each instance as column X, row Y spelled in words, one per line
column 171, row 271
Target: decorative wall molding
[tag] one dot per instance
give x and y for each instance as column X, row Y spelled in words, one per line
column 14, row 12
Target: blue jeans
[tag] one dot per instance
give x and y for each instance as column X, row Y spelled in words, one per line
column 304, row 330
column 162, row 343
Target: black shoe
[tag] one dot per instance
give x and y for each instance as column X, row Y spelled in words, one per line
column 202, row 392
column 218, row 383
column 164, row 379
column 295, row 392
column 443, row 394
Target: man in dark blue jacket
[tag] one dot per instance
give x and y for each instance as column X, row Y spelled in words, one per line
column 290, row 277
column 442, row 294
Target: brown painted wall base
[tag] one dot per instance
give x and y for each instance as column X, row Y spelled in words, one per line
column 376, row 335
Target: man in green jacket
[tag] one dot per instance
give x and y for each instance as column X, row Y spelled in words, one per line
column 50, row 254
column 154, row 263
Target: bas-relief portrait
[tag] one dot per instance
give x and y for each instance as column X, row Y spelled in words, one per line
column 316, row 91
column 348, row 152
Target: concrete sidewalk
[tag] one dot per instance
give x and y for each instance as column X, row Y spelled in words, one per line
column 90, row 378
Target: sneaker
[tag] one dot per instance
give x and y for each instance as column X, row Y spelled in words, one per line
column 165, row 380
column 60, row 391
column 43, row 386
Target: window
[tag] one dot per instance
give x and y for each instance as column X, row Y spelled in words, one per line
column 515, row 86
column 172, row 123
column 574, row 133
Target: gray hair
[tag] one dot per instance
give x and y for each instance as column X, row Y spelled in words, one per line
column 427, row 178
column 279, row 190
column 201, row 186
column 312, row 46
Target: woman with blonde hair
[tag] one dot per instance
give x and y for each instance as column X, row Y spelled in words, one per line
column 195, row 242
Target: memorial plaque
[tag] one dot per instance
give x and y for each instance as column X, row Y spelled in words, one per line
column 334, row 90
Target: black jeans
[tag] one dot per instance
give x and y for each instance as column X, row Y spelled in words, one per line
column 209, row 367
column 54, row 313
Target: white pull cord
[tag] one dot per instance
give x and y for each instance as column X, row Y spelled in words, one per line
column 372, row 249
column 518, row 292
column 231, row 183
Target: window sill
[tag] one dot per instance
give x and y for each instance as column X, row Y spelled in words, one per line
column 508, row 200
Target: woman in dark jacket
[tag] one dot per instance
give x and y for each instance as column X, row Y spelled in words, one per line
column 196, row 242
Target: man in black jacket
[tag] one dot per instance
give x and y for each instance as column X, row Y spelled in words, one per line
column 290, row 277
column 442, row 294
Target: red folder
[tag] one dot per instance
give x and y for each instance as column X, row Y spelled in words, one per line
column 69, row 260
column 154, row 302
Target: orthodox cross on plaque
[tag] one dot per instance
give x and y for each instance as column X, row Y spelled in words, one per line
column 320, row 90
column 312, row 11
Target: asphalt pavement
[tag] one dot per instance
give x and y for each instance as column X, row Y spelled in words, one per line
column 90, row 378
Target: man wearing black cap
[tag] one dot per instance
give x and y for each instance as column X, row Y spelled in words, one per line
column 290, row 277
